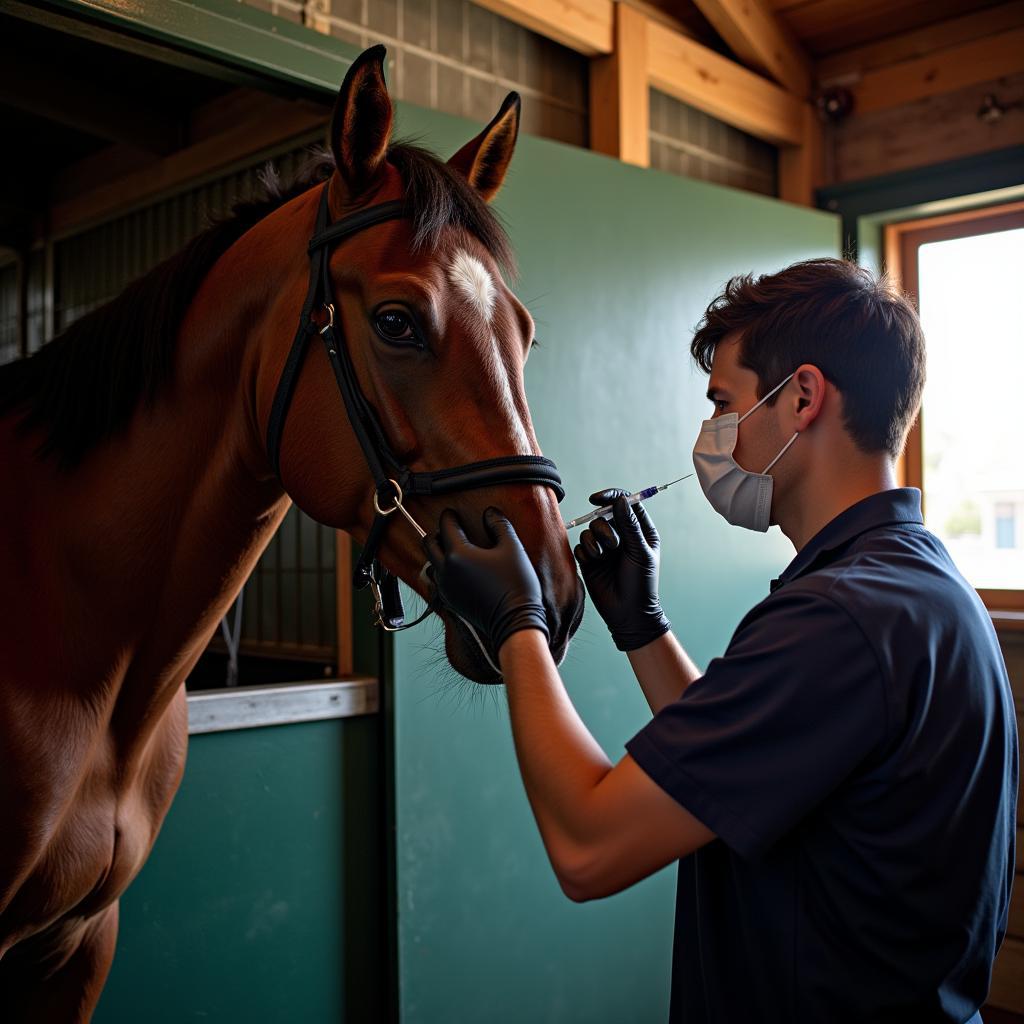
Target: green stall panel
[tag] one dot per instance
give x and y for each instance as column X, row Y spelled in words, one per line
column 262, row 900
column 617, row 265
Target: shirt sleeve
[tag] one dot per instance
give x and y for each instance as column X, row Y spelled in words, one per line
column 773, row 726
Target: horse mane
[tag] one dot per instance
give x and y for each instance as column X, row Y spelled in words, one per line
column 85, row 385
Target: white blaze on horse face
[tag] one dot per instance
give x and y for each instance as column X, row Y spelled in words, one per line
column 475, row 283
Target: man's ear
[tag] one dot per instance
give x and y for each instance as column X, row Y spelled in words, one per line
column 484, row 160
column 361, row 124
column 811, row 386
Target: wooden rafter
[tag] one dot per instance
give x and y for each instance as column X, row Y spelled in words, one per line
column 116, row 116
column 978, row 61
column 940, row 35
column 582, row 25
column 632, row 50
column 761, row 40
column 722, row 88
column 104, row 183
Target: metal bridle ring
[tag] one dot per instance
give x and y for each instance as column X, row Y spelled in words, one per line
column 398, row 500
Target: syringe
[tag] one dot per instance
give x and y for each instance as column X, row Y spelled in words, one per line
column 647, row 492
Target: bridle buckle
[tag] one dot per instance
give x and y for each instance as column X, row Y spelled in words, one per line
column 397, row 505
column 329, row 309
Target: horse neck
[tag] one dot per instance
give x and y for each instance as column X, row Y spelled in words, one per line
column 160, row 526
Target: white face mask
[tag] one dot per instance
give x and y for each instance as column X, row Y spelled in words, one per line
column 741, row 497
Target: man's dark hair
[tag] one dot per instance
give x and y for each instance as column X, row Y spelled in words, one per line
column 862, row 334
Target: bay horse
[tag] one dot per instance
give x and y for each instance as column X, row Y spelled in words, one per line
column 139, row 493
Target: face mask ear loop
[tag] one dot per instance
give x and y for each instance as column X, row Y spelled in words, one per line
column 783, row 452
column 778, row 387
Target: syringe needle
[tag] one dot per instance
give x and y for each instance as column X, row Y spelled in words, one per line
column 643, row 495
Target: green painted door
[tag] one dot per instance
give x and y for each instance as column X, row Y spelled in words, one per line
column 263, row 899
column 617, row 266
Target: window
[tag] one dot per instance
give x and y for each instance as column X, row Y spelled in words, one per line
column 1006, row 525
column 964, row 272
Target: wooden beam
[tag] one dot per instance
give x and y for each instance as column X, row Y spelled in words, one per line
column 761, row 40
column 619, row 96
column 720, row 87
column 945, row 71
column 670, row 13
column 583, row 25
column 802, row 168
column 112, row 115
column 826, row 26
column 847, row 65
column 74, row 206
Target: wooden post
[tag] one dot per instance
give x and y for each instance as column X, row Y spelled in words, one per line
column 343, row 600
column 802, row 167
column 619, row 97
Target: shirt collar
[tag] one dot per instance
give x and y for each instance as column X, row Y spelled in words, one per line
column 900, row 505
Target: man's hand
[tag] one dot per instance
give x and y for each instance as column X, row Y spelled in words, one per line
column 620, row 569
column 495, row 589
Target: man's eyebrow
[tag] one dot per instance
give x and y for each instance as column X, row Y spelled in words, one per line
column 714, row 393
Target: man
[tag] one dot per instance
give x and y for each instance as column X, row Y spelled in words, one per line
column 839, row 787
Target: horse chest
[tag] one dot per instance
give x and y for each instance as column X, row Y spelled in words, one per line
column 96, row 838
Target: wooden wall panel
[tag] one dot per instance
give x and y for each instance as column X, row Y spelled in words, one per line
column 925, row 132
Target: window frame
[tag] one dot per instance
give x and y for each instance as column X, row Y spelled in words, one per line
column 902, row 240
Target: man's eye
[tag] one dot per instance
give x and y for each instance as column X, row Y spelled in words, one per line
column 393, row 325
column 720, row 404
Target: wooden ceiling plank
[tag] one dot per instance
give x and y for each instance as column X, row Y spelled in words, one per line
column 720, row 87
column 978, row 61
column 582, row 25
column 619, row 96
column 115, row 116
column 826, row 26
column 939, row 36
column 71, row 208
column 761, row 40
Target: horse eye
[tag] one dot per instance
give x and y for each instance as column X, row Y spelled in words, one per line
column 393, row 325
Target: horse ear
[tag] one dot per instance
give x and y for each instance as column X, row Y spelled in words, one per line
column 484, row 160
column 361, row 124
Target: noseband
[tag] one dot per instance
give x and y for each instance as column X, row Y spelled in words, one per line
column 393, row 481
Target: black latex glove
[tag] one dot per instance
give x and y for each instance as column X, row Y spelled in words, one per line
column 495, row 589
column 620, row 568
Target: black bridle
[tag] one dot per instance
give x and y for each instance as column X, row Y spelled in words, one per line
column 393, row 481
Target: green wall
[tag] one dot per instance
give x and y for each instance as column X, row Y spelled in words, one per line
column 262, row 900
column 617, row 266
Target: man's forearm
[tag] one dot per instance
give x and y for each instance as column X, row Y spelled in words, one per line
column 664, row 670
column 603, row 827
column 560, row 761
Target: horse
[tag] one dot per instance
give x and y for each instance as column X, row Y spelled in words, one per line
column 140, row 491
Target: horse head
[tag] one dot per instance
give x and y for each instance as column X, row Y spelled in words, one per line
column 436, row 342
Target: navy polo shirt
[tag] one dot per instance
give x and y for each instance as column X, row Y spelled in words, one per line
column 855, row 752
